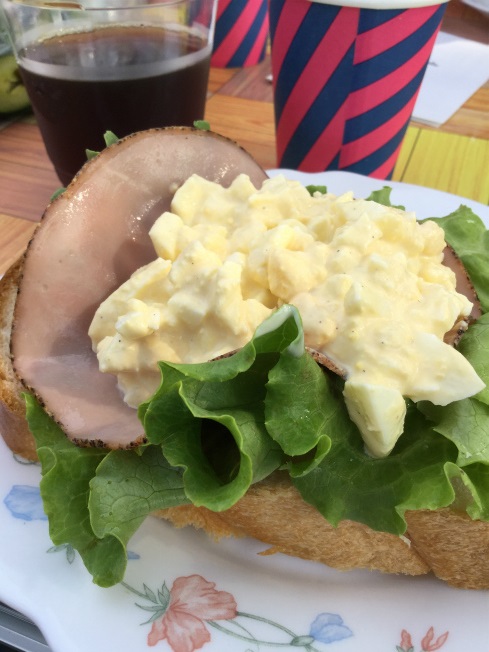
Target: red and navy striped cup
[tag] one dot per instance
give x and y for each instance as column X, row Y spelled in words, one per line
column 346, row 80
column 241, row 33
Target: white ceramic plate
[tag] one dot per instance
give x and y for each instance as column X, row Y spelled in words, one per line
column 282, row 603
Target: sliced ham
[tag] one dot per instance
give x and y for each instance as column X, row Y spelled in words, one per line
column 464, row 286
column 90, row 240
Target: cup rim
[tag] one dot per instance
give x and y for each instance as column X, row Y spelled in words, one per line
column 382, row 4
column 100, row 5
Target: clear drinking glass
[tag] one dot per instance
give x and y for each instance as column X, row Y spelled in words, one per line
column 121, row 66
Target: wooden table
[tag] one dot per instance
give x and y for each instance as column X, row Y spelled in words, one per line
column 454, row 157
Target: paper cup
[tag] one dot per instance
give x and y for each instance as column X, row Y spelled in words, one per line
column 346, row 80
column 241, row 33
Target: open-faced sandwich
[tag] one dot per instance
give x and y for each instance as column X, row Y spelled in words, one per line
column 188, row 338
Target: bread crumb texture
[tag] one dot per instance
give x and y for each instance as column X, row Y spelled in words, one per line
column 448, row 543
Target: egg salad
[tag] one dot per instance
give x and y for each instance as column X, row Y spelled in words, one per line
column 368, row 281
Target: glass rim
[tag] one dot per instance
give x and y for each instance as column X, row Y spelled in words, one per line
column 73, row 5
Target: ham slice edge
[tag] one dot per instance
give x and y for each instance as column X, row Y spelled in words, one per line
column 91, row 238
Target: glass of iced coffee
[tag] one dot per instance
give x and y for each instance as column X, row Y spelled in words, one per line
column 92, row 66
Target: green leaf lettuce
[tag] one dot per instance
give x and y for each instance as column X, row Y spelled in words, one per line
column 214, row 429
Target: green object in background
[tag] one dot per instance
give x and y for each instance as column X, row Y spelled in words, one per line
column 13, row 96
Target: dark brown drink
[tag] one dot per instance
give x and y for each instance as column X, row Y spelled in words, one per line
column 120, row 79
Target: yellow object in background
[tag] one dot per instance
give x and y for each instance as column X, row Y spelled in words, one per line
column 427, row 156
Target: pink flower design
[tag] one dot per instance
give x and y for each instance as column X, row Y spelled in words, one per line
column 193, row 600
column 406, row 642
column 427, row 644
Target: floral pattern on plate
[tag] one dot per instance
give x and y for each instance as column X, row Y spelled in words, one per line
column 180, row 615
column 24, row 502
column 185, row 614
column 428, row 644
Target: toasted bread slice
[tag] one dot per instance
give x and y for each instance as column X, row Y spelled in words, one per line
column 444, row 541
column 13, row 424
column 274, row 512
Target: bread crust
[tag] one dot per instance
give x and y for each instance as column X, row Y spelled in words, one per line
column 13, row 424
column 446, row 542
column 454, row 546
column 274, row 512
